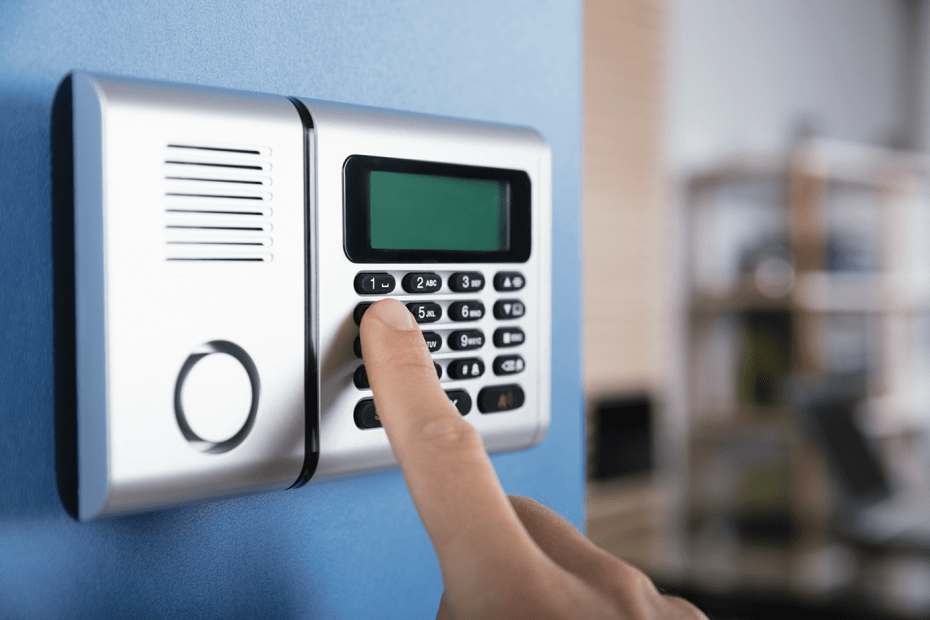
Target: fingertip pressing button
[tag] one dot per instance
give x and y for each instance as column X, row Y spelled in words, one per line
column 433, row 341
column 359, row 311
column 425, row 312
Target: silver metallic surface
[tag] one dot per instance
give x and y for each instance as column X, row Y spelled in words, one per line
column 192, row 227
column 342, row 130
column 235, row 201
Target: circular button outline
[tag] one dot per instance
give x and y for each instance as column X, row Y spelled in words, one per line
column 230, row 348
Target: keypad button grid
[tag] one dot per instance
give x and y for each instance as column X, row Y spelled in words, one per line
column 491, row 399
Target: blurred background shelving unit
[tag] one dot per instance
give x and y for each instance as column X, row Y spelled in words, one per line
column 807, row 268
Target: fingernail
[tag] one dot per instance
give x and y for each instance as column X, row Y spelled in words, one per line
column 396, row 316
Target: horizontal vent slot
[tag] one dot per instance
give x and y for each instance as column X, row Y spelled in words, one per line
column 260, row 228
column 220, row 149
column 220, row 165
column 259, row 258
column 214, row 197
column 234, row 243
column 223, row 196
column 261, row 213
column 262, row 181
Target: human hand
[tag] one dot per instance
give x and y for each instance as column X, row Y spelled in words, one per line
column 501, row 557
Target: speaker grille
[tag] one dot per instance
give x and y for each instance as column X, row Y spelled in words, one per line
column 217, row 202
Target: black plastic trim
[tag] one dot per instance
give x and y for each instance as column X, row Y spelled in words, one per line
column 312, row 375
column 62, row 173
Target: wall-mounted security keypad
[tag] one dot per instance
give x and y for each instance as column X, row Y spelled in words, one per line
column 255, row 230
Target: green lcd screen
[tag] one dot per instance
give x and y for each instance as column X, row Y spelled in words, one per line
column 425, row 212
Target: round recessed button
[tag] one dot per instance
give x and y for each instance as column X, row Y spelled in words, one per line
column 216, row 396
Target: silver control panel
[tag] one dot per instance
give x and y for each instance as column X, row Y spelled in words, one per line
column 226, row 246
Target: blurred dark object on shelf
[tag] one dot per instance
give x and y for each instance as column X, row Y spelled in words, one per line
column 851, row 253
column 622, row 437
column 766, row 359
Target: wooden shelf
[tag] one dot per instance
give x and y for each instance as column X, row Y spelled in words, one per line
column 743, row 340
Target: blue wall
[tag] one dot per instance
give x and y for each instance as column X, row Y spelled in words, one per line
column 348, row 549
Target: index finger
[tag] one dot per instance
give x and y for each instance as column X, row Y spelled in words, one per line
column 450, row 477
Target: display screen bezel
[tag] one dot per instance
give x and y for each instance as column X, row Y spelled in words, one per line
column 357, row 208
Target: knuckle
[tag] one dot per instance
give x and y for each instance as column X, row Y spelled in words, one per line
column 680, row 609
column 450, row 435
column 522, row 504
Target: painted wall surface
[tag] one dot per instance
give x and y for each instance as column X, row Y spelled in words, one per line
column 744, row 75
column 348, row 549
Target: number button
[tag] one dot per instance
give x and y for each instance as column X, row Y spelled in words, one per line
column 509, row 309
column 360, row 378
column 365, row 414
column 360, row 311
column 466, row 339
column 425, row 312
column 460, row 399
column 509, row 281
column 433, row 341
column 466, row 281
column 466, row 311
column 500, row 398
column 508, row 337
column 508, row 365
column 374, row 283
column 425, row 282
column 466, row 368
